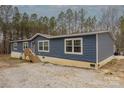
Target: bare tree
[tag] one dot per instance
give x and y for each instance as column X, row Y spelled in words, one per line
column 109, row 19
column 76, row 18
column 82, row 14
column 6, row 12
column 16, row 23
column 69, row 19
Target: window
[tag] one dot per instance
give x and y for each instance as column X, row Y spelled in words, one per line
column 69, row 45
column 14, row 46
column 40, row 45
column 43, row 46
column 73, row 46
column 46, row 45
column 77, row 46
column 25, row 45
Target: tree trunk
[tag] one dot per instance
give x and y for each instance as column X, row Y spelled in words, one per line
column 4, row 42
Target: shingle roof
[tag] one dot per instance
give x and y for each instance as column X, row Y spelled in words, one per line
column 62, row 36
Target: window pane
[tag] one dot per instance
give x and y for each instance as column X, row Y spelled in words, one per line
column 69, row 43
column 40, row 45
column 25, row 45
column 77, row 45
column 46, row 46
column 45, row 43
column 77, row 42
column 68, row 49
column 15, row 46
column 77, row 49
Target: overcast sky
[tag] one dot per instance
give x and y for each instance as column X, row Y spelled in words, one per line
column 54, row 10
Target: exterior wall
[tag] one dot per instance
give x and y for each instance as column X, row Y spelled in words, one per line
column 57, row 48
column 105, row 46
column 19, row 47
column 35, row 40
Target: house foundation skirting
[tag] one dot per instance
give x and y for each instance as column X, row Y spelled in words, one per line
column 67, row 62
column 17, row 55
column 103, row 62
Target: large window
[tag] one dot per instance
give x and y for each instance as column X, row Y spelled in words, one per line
column 14, row 46
column 73, row 46
column 25, row 45
column 43, row 46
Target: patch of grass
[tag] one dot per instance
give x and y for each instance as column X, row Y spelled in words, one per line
column 108, row 73
column 110, row 64
column 113, row 61
column 11, row 58
column 19, row 60
column 44, row 63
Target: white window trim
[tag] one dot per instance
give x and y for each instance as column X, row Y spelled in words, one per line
column 43, row 46
column 24, row 44
column 77, row 53
column 15, row 46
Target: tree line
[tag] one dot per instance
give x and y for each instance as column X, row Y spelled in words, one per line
column 16, row 25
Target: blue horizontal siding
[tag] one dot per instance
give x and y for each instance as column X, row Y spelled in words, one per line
column 57, row 48
column 19, row 47
column 105, row 46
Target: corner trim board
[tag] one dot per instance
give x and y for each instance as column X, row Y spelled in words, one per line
column 97, row 60
column 103, row 62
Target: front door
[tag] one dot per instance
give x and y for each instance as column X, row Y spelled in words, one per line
column 33, row 46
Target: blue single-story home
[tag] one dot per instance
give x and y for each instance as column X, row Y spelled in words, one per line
column 90, row 50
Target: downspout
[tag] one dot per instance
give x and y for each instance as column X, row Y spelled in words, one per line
column 97, row 64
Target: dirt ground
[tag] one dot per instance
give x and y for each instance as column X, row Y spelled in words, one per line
column 18, row 73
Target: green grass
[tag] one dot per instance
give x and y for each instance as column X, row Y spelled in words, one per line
column 113, row 61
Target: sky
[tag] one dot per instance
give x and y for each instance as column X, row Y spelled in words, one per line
column 54, row 10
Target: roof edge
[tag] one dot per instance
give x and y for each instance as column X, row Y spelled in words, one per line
column 80, row 34
column 61, row 36
column 43, row 35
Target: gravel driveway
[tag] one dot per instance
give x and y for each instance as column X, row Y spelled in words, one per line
column 48, row 75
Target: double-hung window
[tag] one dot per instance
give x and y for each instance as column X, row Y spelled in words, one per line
column 73, row 46
column 43, row 46
column 25, row 45
column 14, row 46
